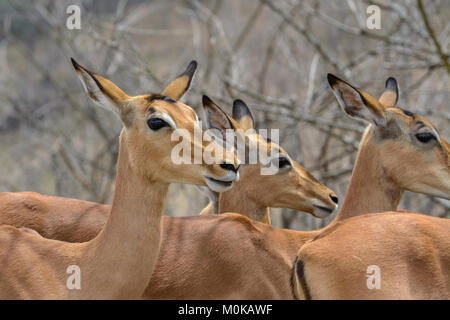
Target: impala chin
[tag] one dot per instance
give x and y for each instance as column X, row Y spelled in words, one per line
column 223, row 183
column 218, row 185
column 321, row 211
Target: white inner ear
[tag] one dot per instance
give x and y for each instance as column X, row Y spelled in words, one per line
column 94, row 92
column 350, row 101
column 216, row 119
column 348, row 98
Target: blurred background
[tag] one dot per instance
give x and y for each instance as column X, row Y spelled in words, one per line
column 272, row 54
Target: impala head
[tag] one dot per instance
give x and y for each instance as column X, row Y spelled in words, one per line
column 149, row 121
column 411, row 151
column 290, row 187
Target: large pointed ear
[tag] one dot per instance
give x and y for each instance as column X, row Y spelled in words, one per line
column 102, row 91
column 389, row 97
column 216, row 118
column 357, row 103
column 243, row 115
column 177, row 88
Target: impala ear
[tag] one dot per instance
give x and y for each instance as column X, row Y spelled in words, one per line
column 389, row 97
column 177, row 88
column 103, row 92
column 243, row 115
column 357, row 103
column 216, row 118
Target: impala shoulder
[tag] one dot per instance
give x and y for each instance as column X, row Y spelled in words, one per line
column 333, row 231
column 15, row 205
column 399, row 219
column 30, row 231
column 239, row 220
column 33, row 202
column 9, row 233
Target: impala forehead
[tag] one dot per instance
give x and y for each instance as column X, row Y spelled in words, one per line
column 410, row 122
column 303, row 172
column 421, row 122
column 272, row 147
column 176, row 113
column 262, row 142
column 411, row 119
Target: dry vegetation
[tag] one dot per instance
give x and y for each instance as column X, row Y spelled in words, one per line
column 272, row 54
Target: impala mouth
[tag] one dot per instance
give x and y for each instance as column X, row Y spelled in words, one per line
column 322, row 212
column 218, row 185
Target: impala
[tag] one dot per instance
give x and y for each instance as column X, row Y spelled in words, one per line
column 235, row 258
column 410, row 251
column 118, row 262
column 230, row 256
column 255, row 193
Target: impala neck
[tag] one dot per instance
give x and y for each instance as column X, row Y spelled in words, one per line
column 234, row 200
column 124, row 253
column 370, row 189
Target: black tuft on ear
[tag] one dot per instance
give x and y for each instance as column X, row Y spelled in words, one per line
column 391, row 84
column 240, row 109
column 178, row 87
column 190, row 71
column 74, row 63
column 78, row 67
column 207, row 101
column 332, row 79
column 389, row 97
column 243, row 115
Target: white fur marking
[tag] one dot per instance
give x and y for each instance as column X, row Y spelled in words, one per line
column 169, row 120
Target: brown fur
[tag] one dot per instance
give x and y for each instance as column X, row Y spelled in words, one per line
column 255, row 193
column 230, row 256
column 118, row 261
column 412, row 250
column 292, row 187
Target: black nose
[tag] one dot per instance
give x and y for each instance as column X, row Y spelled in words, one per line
column 334, row 198
column 229, row 166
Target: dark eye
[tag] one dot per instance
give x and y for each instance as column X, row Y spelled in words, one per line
column 156, row 123
column 425, row 137
column 283, row 162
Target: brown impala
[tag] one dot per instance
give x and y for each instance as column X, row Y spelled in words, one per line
column 230, row 256
column 35, row 268
column 76, row 220
column 410, row 252
column 235, row 258
column 290, row 187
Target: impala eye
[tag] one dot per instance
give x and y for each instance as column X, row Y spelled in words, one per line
column 156, row 123
column 425, row 137
column 283, row 162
